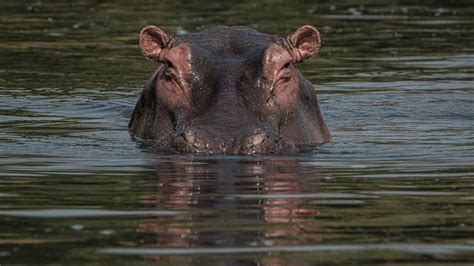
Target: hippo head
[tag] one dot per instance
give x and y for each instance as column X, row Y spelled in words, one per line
column 229, row 90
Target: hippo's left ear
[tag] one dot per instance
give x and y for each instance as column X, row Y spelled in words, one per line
column 153, row 42
column 304, row 43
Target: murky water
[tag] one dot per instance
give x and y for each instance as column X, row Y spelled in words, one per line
column 395, row 81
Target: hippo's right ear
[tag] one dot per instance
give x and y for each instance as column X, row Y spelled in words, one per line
column 153, row 42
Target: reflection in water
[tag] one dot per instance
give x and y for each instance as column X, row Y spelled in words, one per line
column 209, row 185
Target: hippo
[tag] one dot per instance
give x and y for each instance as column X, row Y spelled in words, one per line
column 229, row 90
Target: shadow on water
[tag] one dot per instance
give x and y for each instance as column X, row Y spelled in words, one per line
column 395, row 83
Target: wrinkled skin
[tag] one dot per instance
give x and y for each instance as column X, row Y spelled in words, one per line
column 229, row 90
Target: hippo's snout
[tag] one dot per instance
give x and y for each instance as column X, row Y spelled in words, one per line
column 200, row 141
column 190, row 142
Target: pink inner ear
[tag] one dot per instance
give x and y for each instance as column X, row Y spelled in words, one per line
column 307, row 42
column 152, row 42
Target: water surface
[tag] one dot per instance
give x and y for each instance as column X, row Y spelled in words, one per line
column 397, row 185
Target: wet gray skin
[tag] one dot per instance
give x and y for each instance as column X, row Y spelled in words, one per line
column 395, row 186
column 229, row 90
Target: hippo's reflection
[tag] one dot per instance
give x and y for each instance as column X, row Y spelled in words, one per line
column 247, row 202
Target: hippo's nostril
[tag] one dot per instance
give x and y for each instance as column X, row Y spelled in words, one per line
column 189, row 137
column 193, row 141
column 199, row 145
column 258, row 139
column 255, row 140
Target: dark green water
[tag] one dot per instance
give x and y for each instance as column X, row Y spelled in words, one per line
column 395, row 81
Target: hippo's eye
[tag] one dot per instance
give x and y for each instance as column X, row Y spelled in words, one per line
column 285, row 72
column 168, row 64
column 283, row 75
column 170, row 71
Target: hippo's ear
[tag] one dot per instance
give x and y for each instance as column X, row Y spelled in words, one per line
column 304, row 43
column 153, row 42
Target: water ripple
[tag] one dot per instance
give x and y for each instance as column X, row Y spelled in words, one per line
column 303, row 196
column 414, row 193
column 78, row 213
column 398, row 247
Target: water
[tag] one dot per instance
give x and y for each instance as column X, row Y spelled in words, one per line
column 395, row 81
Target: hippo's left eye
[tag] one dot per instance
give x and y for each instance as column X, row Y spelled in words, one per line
column 170, row 71
column 169, row 65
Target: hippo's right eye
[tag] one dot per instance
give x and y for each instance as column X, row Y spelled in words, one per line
column 285, row 72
